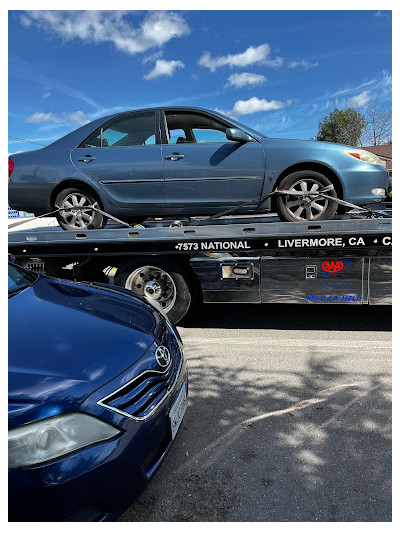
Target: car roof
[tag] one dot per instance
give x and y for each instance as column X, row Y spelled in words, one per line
column 165, row 108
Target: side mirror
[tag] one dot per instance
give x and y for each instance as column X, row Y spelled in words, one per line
column 234, row 134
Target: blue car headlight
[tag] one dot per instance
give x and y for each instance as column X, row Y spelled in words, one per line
column 364, row 156
column 51, row 438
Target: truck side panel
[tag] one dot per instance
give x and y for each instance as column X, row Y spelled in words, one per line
column 380, row 281
column 312, row 280
column 268, row 279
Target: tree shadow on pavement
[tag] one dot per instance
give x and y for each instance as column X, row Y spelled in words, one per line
column 308, row 444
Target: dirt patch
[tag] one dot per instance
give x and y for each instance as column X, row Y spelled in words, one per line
column 191, row 497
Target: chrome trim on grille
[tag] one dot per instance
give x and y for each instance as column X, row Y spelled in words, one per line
column 169, row 390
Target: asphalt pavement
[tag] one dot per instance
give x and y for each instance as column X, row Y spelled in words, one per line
column 289, row 418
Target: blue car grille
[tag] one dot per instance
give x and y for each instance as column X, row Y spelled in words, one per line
column 141, row 396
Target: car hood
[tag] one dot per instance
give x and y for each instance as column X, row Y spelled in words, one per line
column 67, row 340
column 270, row 142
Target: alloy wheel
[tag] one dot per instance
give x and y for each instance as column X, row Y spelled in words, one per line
column 306, row 206
column 76, row 210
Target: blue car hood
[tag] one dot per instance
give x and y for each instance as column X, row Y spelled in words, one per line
column 277, row 142
column 66, row 340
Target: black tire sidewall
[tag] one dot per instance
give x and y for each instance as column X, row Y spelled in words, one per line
column 184, row 297
column 98, row 220
column 289, row 180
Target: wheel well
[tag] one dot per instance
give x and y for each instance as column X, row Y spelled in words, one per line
column 317, row 167
column 66, row 184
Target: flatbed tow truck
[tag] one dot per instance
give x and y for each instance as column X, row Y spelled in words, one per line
column 228, row 259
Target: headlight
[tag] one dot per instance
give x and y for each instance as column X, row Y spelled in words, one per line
column 51, row 438
column 364, row 156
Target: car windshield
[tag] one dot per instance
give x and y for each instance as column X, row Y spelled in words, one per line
column 19, row 279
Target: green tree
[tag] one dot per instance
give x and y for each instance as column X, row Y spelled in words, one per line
column 344, row 126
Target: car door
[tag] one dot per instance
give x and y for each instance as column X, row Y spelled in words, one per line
column 123, row 158
column 205, row 171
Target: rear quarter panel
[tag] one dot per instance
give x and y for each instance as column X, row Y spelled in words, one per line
column 35, row 175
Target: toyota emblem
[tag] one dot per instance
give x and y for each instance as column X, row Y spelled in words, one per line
column 163, row 356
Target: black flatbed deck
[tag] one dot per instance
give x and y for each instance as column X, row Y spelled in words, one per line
column 239, row 234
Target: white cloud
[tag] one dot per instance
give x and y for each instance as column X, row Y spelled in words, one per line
column 163, row 68
column 353, row 95
column 46, row 95
column 156, row 29
column 360, row 100
column 304, row 63
column 254, row 105
column 222, row 111
column 78, row 117
column 153, row 57
column 252, row 55
column 245, row 78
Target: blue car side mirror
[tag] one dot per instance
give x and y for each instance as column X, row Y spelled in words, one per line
column 234, row 134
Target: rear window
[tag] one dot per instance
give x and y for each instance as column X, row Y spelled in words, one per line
column 134, row 130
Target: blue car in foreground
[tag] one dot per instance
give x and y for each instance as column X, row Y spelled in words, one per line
column 97, row 391
column 181, row 161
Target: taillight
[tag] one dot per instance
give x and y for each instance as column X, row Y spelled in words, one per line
column 10, row 167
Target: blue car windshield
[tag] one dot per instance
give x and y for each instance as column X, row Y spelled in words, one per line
column 19, row 279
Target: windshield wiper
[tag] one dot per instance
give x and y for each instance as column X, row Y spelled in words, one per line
column 13, row 292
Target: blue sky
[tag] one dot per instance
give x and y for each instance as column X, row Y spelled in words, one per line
column 279, row 72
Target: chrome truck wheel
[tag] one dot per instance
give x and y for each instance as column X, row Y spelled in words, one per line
column 162, row 281
column 154, row 284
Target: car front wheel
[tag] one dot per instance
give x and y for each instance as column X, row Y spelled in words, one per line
column 304, row 203
column 76, row 210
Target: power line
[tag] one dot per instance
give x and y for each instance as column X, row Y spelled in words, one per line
column 25, row 141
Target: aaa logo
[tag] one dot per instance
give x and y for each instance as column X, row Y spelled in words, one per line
column 332, row 266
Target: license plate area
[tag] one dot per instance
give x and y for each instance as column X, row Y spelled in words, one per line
column 178, row 410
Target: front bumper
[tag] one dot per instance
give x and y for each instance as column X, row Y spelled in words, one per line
column 360, row 179
column 99, row 482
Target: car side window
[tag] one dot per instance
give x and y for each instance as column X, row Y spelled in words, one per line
column 136, row 130
column 93, row 141
column 209, row 136
column 177, row 136
column 194, row 128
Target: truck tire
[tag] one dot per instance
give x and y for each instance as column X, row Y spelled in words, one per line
column 294, row 208
column 160, row 280
column 78, row 217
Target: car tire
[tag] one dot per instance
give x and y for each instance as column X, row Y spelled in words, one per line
column 82, row 218
column 161, row 281
column 294, row 208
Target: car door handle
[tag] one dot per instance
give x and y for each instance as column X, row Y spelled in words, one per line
column 174, row 156
column 87, row 159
